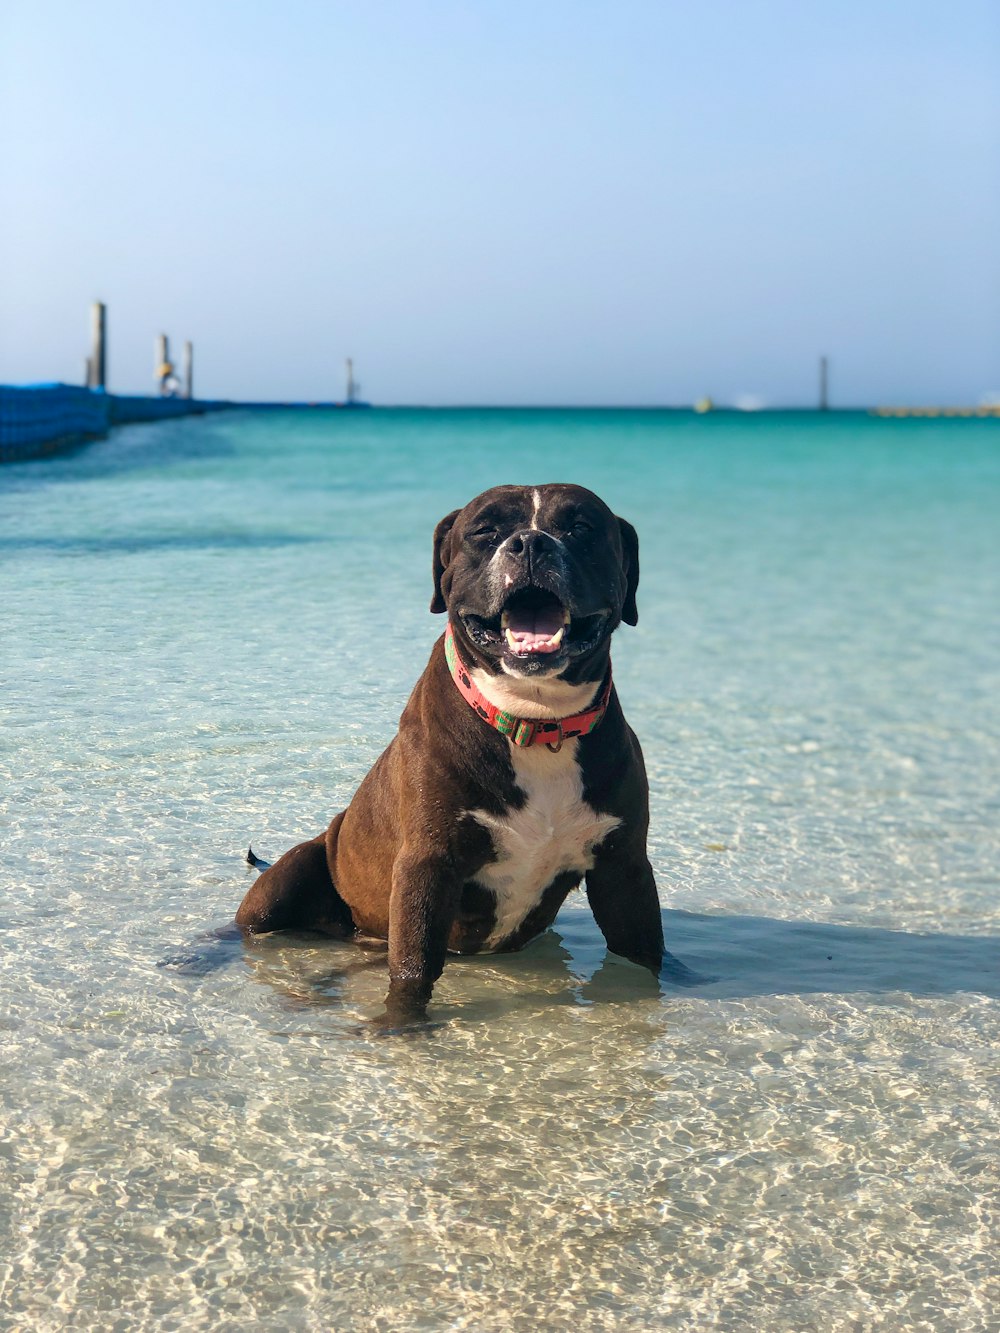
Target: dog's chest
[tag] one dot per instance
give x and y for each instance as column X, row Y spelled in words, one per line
column 554, row 831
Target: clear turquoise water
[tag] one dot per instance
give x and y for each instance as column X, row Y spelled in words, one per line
column 209, row 628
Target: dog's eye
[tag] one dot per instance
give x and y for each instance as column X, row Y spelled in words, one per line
column 485, row 531
column 580, row 528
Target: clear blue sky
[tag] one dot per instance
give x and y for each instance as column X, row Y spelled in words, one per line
column 548, row 202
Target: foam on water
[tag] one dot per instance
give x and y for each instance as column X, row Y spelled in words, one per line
column 209, row 629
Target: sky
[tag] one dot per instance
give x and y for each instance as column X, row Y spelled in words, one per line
column 551, row 202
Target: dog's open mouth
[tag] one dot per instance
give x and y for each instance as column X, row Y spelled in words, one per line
column 535, row 623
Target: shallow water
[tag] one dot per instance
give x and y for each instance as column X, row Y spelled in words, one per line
column 209, row 629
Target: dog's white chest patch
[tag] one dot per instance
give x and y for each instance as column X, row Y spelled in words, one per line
column 554, row 831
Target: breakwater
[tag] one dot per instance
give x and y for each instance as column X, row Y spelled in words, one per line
column 40, row 419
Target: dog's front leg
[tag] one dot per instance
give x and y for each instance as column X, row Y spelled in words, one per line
column 425, row 892
column 622, row 894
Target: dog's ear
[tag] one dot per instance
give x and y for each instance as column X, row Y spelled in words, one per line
column 442, row 555
column 630, row 567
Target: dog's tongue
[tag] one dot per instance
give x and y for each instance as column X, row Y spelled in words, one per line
column 533, row 631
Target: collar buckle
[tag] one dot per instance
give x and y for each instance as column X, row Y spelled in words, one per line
column 524, row 733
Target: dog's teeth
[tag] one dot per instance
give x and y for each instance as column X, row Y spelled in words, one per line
column 505, row 620
column 558, row 637
column 565, row 617
column 510, row 638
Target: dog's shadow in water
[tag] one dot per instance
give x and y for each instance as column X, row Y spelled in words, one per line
column 724, row 957
column 758, row 956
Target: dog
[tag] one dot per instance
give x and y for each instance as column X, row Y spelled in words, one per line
column 514, row 775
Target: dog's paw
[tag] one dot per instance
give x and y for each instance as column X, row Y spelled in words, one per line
column 676, row 973
column 392, row 1024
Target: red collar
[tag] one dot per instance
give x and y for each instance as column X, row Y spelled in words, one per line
column 524, row 730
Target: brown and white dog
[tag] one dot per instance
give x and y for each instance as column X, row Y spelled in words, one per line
column 514, row 774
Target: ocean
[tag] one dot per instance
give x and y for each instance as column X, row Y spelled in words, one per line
column 209, row 629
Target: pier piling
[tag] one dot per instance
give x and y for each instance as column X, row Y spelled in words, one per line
column 97, row 361
column 164, row 366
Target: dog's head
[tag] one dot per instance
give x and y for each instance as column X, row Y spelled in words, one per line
column 535, row 579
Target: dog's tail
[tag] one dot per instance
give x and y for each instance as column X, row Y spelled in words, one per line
column 258, row 862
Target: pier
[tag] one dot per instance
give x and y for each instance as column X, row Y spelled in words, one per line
column 990, row 410
column 41, row 419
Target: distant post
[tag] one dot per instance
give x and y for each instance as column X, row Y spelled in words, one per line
column 97, row 362
column 164, row 366
column 824, row 401
column 187, row 371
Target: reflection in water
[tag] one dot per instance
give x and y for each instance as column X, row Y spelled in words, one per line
column 730, row 956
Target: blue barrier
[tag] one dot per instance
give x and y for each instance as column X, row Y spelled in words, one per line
column 39, row 419
column 126, row 408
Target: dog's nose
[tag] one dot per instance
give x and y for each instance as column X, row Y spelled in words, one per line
column 530, row 543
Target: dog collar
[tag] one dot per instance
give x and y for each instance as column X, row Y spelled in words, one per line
column 550, row 731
